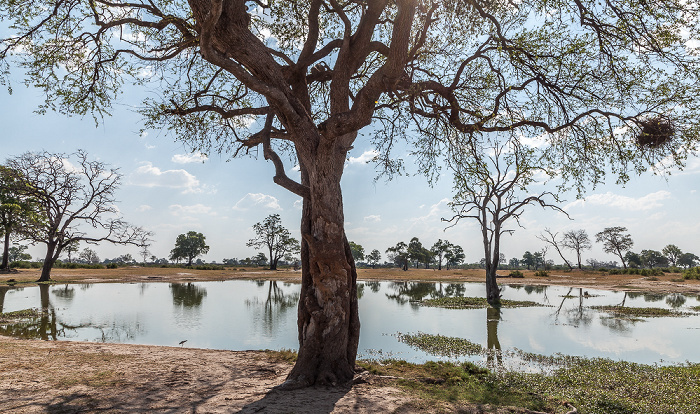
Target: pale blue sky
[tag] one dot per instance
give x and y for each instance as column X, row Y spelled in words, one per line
column 169, row 191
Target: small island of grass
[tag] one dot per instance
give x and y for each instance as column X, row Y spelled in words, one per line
column 474, row 303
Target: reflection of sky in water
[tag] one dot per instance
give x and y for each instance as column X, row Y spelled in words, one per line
column 244, row 315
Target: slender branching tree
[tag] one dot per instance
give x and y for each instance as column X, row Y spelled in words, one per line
column 578, row 241
column 491, row 187
column 551, row 239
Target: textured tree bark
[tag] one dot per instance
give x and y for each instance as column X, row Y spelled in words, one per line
column 49, row 261
column 493, row 293
column 328, row 318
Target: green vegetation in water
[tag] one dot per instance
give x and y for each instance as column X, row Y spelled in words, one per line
column 620, row 311
column 19, row 315
column 695, row 308
column 439, row 345
column 615, row 387
column 460, row 302
column 595, row 385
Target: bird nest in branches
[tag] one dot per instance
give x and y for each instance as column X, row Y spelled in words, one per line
column 655, row 132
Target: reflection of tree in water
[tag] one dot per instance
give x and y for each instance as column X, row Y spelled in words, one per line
column 3, row 291
column 374, row 286
column 675, row 300
column 654, row 297
column 619, row 324
column 45, row 325
column 276, row 304
column 67, row 292
column 187, row 295
column 360, row 290
column 493, row 316
column 119, row 332
column 580, row 315
column 406, row 292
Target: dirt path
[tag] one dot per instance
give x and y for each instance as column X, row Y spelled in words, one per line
column 69, row 377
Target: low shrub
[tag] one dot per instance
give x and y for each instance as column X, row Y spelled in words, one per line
column 21, row 264
column 692, row 273
column 542, row 273
column 516, row 273
column 112, row 266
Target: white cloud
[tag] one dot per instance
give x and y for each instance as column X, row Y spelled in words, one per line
column 144, row 207
column 257, row 200
column 189, row 158
column 366, row 157
column 298, row 204
column 374, row 218
column 647, row 202
column 194, row 210
column 148, row 175
column 143, row 134
column 436, row 212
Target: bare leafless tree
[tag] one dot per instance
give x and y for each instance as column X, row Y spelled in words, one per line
column 491, row 187
column 76, row 203
column 551, row 239
column 578, row 241
column 303, row 77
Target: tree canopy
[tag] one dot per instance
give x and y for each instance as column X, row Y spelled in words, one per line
column 270, row 234
column 189, row 246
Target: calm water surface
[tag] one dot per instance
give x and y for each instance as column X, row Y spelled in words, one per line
column 241, row 315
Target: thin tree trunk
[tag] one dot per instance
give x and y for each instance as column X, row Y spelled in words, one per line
column 6, row 251
column 49, row 260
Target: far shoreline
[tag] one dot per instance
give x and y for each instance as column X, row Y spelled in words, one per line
column 586, row 279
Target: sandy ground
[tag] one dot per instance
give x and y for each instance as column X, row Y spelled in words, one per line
column 69, row 377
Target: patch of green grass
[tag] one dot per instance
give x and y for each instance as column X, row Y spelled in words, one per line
column 616, row 387
column 283, row 355
column 20, row 315
column 456, row 383
column 460, row 302
column 620, row 311
column 440, row 345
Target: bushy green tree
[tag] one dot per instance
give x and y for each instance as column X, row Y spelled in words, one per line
column 358, row 252
column 374, row 257
column 688, row 260
column 399, row 255
column 653, row 258
column 672, row 254
column 188, row 246
column 17, row 253
column 277, row 239
column 615, row 241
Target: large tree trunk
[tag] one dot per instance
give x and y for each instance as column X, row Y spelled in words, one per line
column 328, row 318
column 49, row 260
